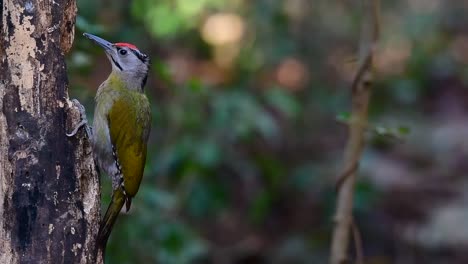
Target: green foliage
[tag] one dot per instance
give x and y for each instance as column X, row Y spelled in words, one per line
column 167, row 18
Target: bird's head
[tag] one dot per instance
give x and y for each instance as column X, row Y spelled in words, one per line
column 130, row 64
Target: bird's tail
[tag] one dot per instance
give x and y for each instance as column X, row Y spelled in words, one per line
column 105, row 228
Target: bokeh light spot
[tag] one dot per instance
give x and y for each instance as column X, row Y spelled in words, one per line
column 222, row 28
column 292, row 74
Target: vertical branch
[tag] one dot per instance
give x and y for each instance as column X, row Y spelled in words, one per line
column 360, row 92
column 49, row 188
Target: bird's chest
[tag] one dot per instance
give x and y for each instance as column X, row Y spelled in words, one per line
column 102, row 145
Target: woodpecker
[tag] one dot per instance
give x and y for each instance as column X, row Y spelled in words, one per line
column 121, row 126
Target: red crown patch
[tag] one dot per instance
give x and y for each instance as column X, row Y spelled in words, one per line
column 128, row 45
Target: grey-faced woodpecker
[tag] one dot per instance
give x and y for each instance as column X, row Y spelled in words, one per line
column 121, row 126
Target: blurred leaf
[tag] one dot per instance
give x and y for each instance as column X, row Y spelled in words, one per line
column 208, row 153
column 85, row 26
column 206, row 197
column 285, row 102
column 157, row 198
column 162, row 20
column 195, row 85
column 272, row 170
column 162, row 70
column 403, row 130
column 391, row 132
column 166, row 18
column 344, row 117
column 304, row 177
column 406, row 91
column 178, row 244
column 260, row 207
column 365, row 196
column 80, row 60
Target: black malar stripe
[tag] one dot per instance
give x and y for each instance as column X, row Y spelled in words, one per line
column 116, row 63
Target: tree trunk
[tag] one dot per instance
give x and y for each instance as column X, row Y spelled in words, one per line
column 49, row 188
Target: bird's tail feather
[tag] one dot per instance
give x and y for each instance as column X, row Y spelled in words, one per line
column 105, row 228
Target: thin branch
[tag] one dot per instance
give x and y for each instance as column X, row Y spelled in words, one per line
column 360, row 93
column 348, row 172
column 358, row 244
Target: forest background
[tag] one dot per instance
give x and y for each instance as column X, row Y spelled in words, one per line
column 250, row 101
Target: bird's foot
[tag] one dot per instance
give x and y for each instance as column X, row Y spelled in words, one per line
column 83, row 122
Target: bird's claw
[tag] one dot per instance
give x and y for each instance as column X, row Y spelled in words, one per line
column 83, row 122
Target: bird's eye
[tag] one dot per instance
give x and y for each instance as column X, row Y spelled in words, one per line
column 123, row 52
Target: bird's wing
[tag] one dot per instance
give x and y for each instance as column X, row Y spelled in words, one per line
column 129, row 121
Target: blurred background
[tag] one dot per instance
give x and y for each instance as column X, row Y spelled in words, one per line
column 250, row 101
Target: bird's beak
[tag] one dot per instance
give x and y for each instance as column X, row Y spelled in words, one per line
column 101, row 42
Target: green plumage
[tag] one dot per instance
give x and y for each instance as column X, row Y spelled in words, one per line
column 126, row 114
column 129, row 119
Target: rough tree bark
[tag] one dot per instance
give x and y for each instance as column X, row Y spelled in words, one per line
column 49, row 189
